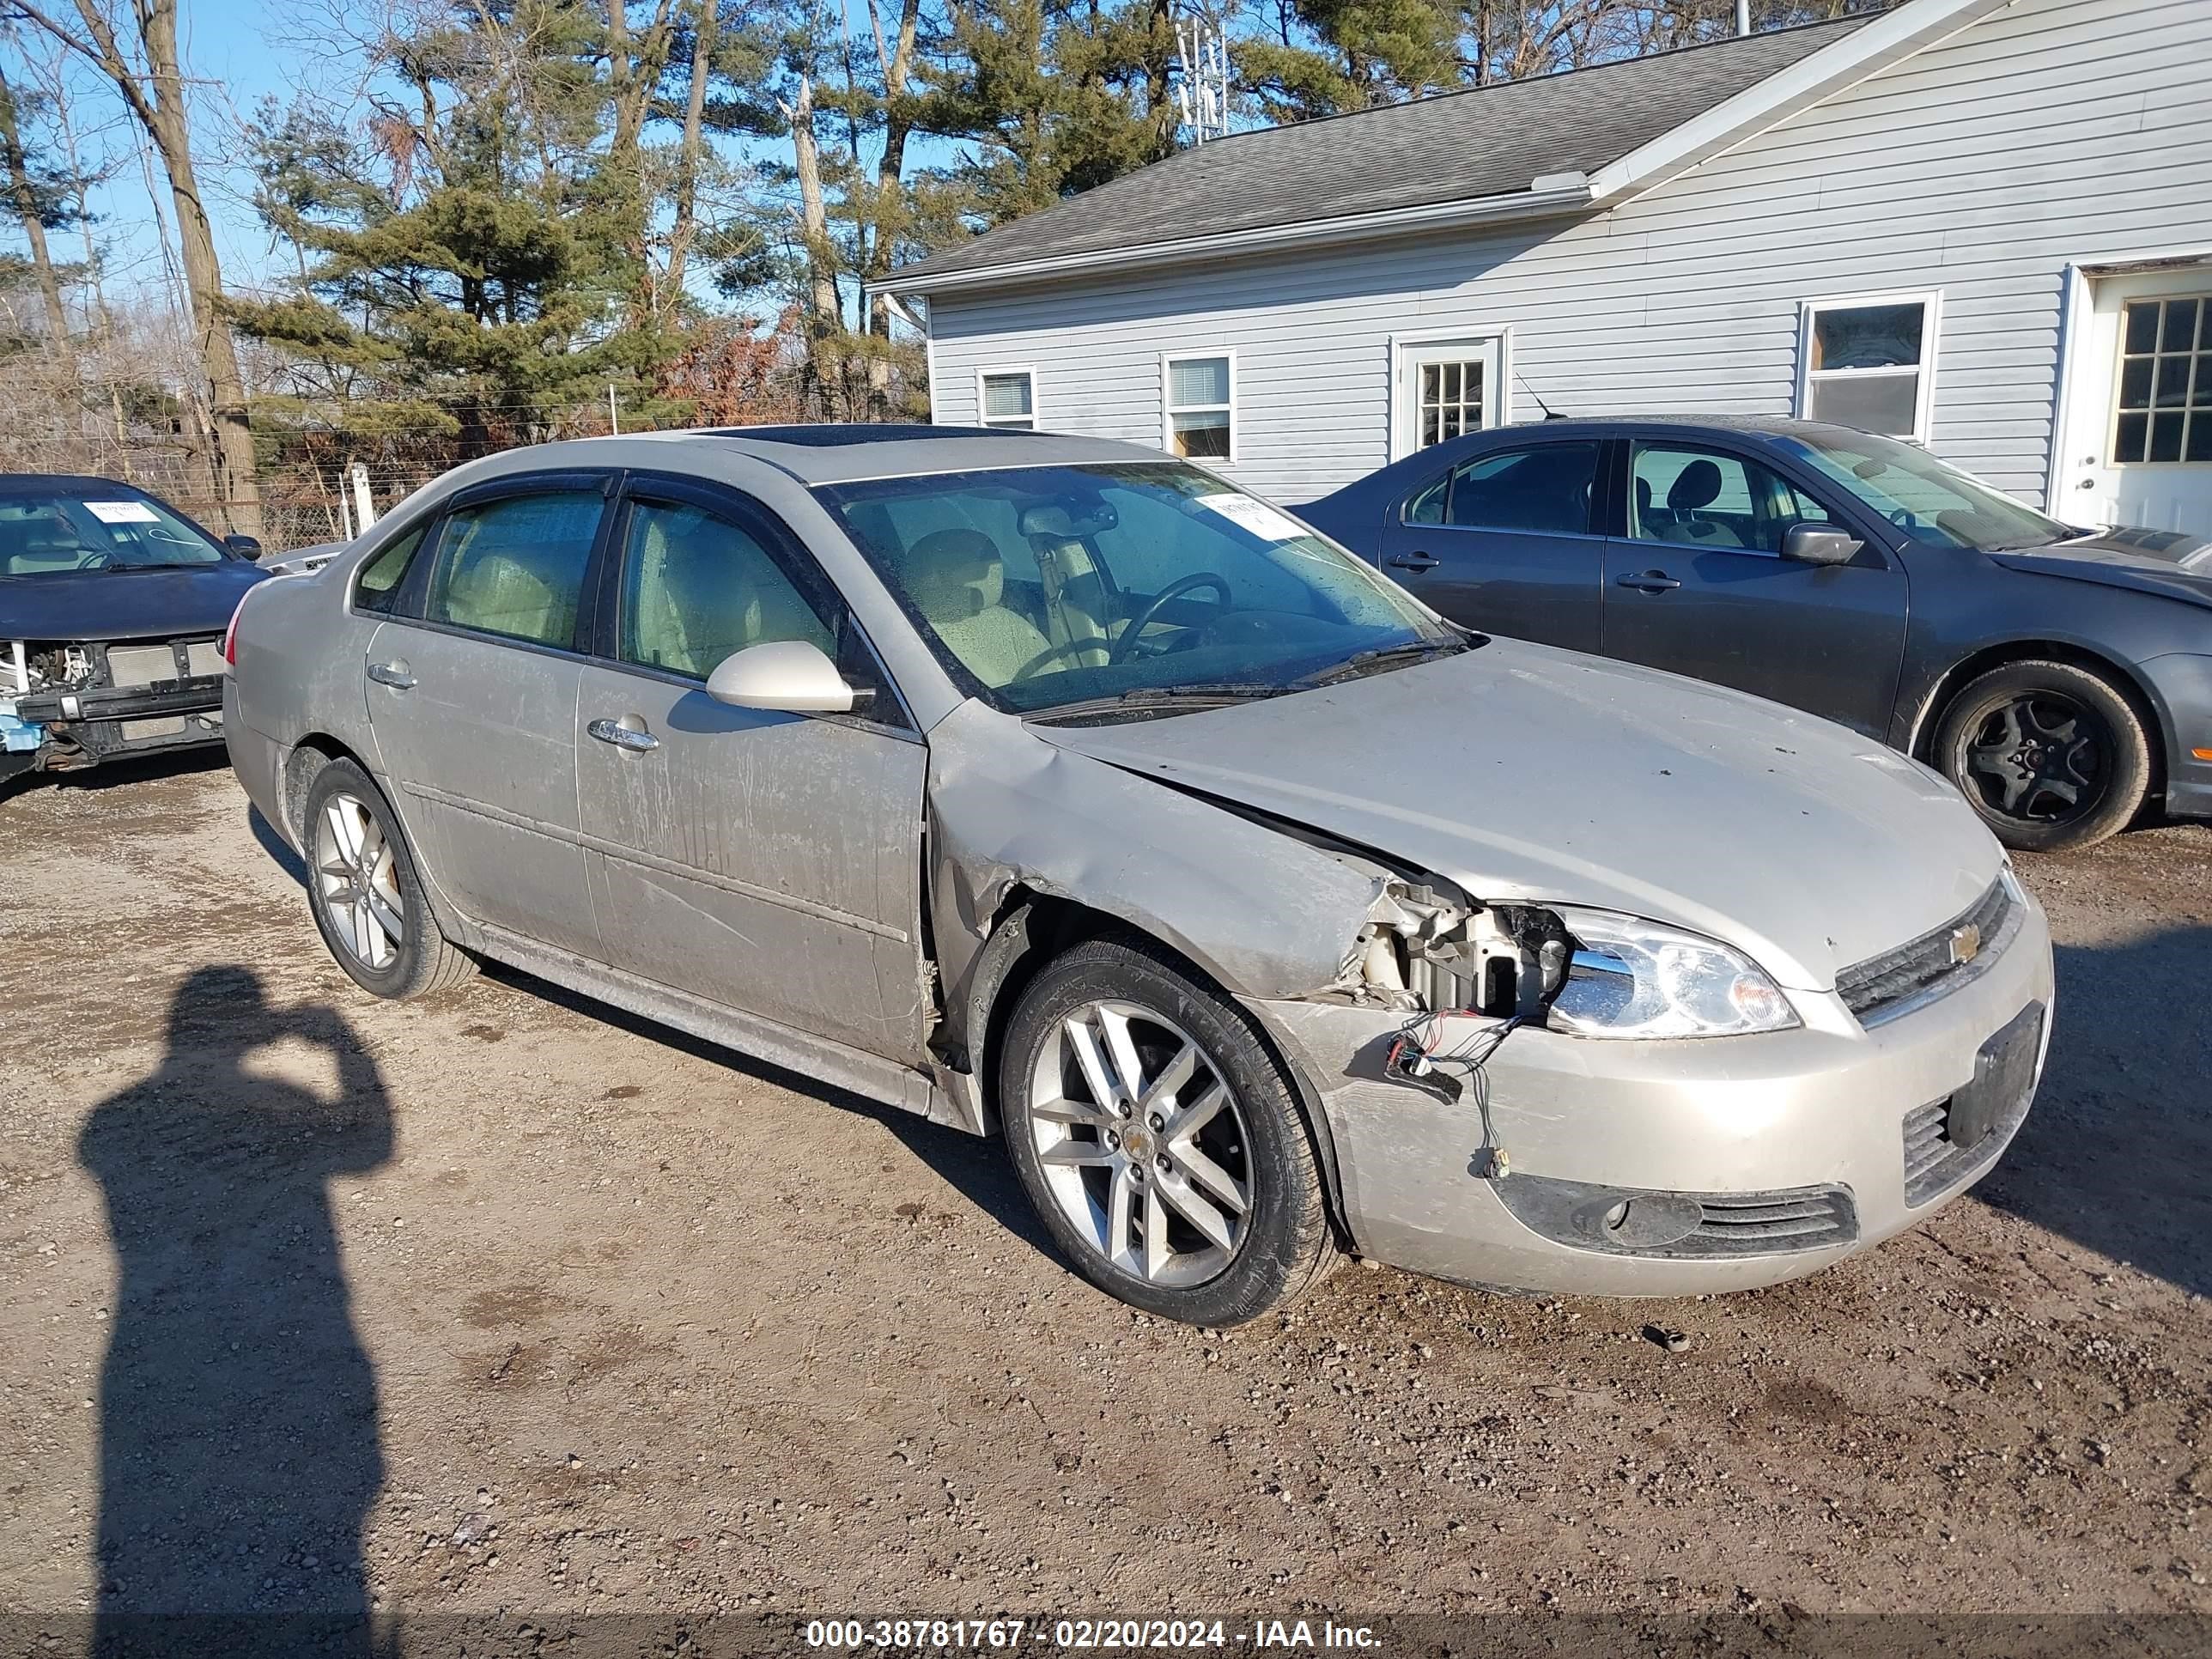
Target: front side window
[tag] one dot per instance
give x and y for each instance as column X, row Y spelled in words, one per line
column 1710, row 499
column 1201, row 408
column 1010, row 400
column 1546, row 488
column 2165, row 384
column 696, row 589
column 1931, row 501
column 50, row 532
column 1045, row 587
column 515, row 566
column 1868, row 364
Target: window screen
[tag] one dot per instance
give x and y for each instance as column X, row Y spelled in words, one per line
column 1866, row 366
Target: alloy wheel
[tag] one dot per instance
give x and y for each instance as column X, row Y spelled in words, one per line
column 2040, row 757
column 359, row 879
column 1142, row 1142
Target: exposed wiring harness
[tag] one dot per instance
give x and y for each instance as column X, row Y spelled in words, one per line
column 1412, row 1058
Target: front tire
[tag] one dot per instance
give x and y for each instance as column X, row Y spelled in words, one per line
column 1158, row 1139
column 2053, row 757
column 365, row 895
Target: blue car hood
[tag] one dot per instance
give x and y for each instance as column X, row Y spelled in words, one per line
column 2162, row 562
column 124, row 605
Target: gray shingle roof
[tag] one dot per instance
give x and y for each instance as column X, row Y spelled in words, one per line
column 1459, row 146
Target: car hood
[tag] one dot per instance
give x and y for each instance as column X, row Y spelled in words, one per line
column 133, row 605
column 1524, row 772
column 2161, row 562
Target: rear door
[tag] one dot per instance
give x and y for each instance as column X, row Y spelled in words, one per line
column 768, row 862
column 1698, row 584
column 1506, row 542
column 472, row 684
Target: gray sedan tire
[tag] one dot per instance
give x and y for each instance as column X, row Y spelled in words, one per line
column 2054, row 756
column 1158, row 1138
column 365, row 895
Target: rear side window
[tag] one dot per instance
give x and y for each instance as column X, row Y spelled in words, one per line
column 377, row 586
column 515, row 566
column 1546, row 489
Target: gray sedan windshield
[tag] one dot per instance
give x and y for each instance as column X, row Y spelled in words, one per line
column 1929, row 499
column 1046, row 587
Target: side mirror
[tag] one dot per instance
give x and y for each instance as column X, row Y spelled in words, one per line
column 246, row 547
column 784, row 676
column 1820, row 543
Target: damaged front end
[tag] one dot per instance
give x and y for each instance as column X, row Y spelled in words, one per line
column 1423, row 951
column 67, row 705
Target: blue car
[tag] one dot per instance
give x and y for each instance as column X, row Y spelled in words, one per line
column 112, row 608
column 2060, row 675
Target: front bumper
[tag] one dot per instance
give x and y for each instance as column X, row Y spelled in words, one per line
column 2182, row 687
column 1828, row 1114
column 80, row 726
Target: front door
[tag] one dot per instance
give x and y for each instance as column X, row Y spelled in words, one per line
column 1446, row 389
column 1699, row 586
column 2138, row 446
column 768, row 862
column 472, row 701
column 1503, row 542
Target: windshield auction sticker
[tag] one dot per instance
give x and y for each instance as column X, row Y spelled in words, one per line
column 122, row 513
column 1256, row 516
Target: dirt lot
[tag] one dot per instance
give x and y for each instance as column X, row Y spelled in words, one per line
column 506, row 1301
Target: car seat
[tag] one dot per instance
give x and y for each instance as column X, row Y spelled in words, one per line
column 956, row 578
column 1696, row 488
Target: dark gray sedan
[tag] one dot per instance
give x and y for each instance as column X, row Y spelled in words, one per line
column 2061, row 677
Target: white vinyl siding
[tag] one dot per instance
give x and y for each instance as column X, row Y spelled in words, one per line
column 2052, row 131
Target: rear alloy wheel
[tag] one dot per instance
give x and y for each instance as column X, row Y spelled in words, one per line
column 2051, row 756
column 362, row 888
column 1158, row 1139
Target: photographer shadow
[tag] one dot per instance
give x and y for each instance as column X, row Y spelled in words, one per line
column 240, row 1450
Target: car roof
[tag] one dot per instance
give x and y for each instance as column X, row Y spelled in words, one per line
column 829, row 454
column 33, row 483
column 1742, row 426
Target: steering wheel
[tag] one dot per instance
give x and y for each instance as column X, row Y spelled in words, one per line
column 1175, row 590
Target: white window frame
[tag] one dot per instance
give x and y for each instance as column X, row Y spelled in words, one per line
column 1005, row 423
column 1168, row 410
column 1399, row 412
column 1930, row 302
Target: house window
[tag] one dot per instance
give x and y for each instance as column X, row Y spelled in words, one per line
column 1009, row 399
column 1201, row 405
column 2166, row 383
column 1870, row 364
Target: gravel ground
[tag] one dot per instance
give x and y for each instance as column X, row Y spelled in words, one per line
column 506, row 1301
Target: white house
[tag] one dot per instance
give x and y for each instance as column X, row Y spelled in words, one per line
column 1985, row 224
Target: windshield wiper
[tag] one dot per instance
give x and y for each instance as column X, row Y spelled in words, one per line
column 1168, row 697
column 168, row 564
column 1383, row 657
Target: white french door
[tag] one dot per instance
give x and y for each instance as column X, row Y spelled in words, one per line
column 2138, row 429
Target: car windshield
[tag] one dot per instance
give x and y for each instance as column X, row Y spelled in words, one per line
column 1051, row 586
column 53, row 532
column 1929, row 500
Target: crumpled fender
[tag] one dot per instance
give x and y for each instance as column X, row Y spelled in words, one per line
column 1264, row 914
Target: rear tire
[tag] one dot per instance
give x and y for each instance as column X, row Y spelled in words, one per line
column 364, row 894
column 2053, row 757
column 1159, row 1139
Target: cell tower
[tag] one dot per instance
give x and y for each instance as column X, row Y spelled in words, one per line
column 1202, row 88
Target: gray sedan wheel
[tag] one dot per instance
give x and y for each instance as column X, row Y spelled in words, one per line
column 1158, row 1139
column 2051, row 756
column 362, row 888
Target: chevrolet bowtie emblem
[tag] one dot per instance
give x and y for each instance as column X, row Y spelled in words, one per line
column 1965, row 944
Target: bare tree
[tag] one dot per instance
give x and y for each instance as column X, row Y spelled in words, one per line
column 33, row 209
column 139, row 57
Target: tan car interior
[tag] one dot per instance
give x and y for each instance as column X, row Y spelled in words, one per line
column 699, row 590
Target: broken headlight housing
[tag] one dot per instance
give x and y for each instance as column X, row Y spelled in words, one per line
column 1632, row 978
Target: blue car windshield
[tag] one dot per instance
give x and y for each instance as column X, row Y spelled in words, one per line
column 54, row 533
column 1049, row 587
column 1931, row 501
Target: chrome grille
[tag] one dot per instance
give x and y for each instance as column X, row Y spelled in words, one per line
column 1876, row 988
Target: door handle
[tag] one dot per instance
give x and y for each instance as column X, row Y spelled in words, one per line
column 1415, row 561
column 623, row 737
column 393, row 674
column 1652, row 581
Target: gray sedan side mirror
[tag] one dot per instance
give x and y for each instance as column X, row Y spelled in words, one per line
column 1820, row 543
column 784, row 676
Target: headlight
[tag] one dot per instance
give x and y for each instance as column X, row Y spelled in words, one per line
column 1641, row 979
